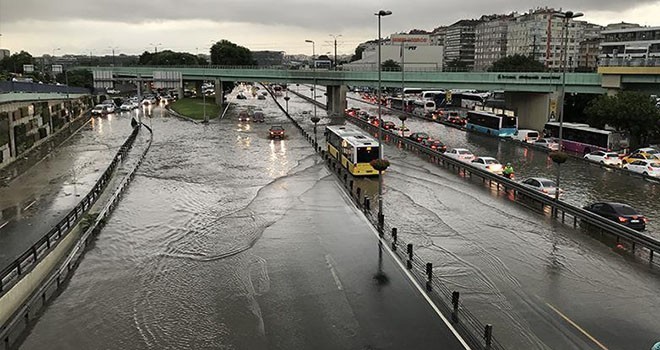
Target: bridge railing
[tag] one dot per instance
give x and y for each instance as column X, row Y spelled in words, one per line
column 21, row 266
column 21, row 86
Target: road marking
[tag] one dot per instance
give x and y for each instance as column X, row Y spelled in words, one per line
column 329, row 260
column 577, row 327
column 403, row 268
column 29, row 205
column 3, row 225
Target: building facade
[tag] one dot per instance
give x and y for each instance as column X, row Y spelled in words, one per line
column 539, row 34
column 588, row 55
column 490, row 40
column 414, row 50
column 459, row 45
column 4, row 53
column 437, row 36
column 630, row 42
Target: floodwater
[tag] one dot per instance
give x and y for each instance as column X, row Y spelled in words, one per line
column 174, row 267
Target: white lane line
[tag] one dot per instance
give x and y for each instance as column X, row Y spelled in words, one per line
column 3, row 225
column 403, row 268
column 329, row 261
column 29, row 205
column 586, row 334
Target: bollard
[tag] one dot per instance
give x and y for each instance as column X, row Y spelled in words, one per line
column 358, row 192
column 429, row 275
column 488, row 336
column 454, row 301
column 350, row 185
column 367, row 205
column 410, row 256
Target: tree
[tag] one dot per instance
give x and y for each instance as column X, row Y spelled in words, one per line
column 358, row 53
column 169, row 58
column 629, row 111
column 78, row 77
column 456, row 65
column 15, row 62
column 517, row 63
column 226, row 53
column 391, row 65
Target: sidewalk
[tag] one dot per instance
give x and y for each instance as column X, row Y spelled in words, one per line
column 32, row 203
column 322, row 261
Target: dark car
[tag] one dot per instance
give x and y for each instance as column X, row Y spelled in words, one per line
column 374, row 121
column 363, row 115
column 435, row 145
column 261, row 97
column 276, row 131
column 418, row 136
column 243, row 116
column 240, row 96
column 389, row 125
column 621, row 213
column 259, row 117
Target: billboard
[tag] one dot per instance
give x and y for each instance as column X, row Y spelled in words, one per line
column 419, row 39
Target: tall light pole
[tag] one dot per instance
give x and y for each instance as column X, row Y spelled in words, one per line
column 155, row 46
column 113, row 48
column 313, row 70
column 335, row 37
column 566, row 17
column 380, row 14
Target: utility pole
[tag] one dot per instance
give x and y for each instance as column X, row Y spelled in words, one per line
column 335, row 43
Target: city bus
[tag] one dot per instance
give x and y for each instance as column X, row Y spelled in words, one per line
column 412, row 91
column 406, row 106
column 492, row 124
column 353, row 148
column 583, row 139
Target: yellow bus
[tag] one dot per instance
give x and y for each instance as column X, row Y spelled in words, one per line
column 353, row 148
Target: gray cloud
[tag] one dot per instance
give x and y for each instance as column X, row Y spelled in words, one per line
column 335, row 16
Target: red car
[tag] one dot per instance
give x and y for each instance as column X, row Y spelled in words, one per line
column 435, row 145
column 276, row 131
column 389, row 125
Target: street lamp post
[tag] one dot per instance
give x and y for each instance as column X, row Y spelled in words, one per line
column 566, row 17
column 380, row 14
column 155, row 46
column 314, row 71
column 113, row 48
column 335, row 37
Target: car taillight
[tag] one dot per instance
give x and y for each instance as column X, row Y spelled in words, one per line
column 606, row 157
column 646, row 220
column 622, row 219
column 544, row 190
column 651, row 168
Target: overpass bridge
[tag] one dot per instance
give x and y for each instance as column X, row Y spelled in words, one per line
column 533, row 95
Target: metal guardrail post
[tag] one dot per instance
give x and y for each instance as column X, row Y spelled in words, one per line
column 488, row 336
column 455, row 296
column 394, row 237
column 429, row 276
column 409, row 248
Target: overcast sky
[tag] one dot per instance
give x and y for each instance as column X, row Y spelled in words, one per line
column 133, row 26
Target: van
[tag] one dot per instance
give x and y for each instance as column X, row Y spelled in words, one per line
column 524, row 135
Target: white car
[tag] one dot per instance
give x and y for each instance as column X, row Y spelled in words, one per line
column 545, row 186
column 644, row 167
column 128, row 106
column 548, row 144
column 606, row 158
column 461, row 154
column 488, row 164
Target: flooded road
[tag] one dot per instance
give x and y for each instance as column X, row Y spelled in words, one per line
column 37, row 200
column 179, row 260
column 584, row 182
column 546, row 284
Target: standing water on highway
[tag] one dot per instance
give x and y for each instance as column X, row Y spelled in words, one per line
column 173, row 267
